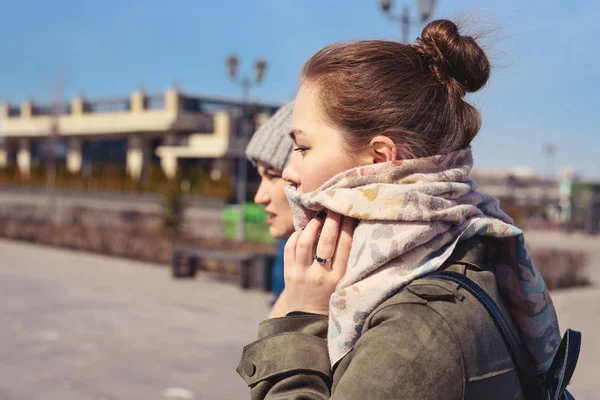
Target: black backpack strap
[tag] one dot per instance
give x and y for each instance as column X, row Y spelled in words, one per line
column 531, row 383
column 563, row 364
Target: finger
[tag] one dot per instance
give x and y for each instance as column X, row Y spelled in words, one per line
column 329, row 236
column 289, row 252
column 306, row 243
column 344, row 245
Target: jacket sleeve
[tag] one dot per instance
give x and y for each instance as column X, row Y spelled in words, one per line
column 407, row 352
column 289, row 360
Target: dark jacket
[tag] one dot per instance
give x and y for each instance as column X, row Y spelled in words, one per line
column 277, row 281
column 429, row 341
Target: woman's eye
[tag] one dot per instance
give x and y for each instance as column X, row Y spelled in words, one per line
column 271, row 174
column 300, row 149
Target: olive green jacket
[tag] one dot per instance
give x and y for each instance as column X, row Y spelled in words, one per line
column 429, row 341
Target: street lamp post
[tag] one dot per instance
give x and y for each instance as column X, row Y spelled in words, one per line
column 260, row 68
column 52, row 142
column 549, row 151
column 425, row 11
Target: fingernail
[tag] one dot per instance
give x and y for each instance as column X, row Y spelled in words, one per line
column 322, row 214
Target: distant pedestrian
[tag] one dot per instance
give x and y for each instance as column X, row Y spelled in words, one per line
column 269, row 149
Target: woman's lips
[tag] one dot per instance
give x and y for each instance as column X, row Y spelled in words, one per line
column 271, row 217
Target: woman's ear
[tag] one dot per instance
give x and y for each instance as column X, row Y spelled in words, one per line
column 383, row 149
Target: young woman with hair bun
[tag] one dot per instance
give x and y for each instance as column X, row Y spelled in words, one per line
column 382, row 199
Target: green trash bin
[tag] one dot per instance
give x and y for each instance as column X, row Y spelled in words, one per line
column 256, row 227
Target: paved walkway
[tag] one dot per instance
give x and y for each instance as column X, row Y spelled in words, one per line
column 81, row 326
column 579, row 308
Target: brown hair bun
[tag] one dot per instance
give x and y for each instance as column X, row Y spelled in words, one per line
column 458, row 62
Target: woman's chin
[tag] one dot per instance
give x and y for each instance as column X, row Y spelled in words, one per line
column 275, row 232
column 279, row 233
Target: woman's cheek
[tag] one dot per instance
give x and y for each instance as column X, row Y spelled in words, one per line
column 314, row 172
column 314, row 179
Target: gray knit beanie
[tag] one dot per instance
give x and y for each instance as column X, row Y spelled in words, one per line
column 271, row 143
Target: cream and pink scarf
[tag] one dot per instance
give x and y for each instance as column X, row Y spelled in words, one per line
column 412, row 214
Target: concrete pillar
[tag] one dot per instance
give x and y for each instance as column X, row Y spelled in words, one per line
column 74, row 155
column 24, row 157
column 4, row 111
column 138, row 101
column 168, row 161
column 138, row 156
column 3, row 157
column 222, row 124
column 4, row 114
column 27, row 109
column 78, row 106
column 173, row 101
column 7, row 155
column 8, row 152
column 168, row 164
column 3, row 154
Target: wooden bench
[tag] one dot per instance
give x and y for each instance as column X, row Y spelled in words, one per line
column 254, row 268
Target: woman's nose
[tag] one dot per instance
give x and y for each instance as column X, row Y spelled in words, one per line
column 291, row 175
column 262, row 194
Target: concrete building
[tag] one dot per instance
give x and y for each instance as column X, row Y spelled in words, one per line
column 523, row 194
column 135, row 131
column 521, row 184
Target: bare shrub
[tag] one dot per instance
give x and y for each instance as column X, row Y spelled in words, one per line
column 561, row 268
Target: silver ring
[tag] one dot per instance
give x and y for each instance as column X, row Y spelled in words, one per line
column 321, row 260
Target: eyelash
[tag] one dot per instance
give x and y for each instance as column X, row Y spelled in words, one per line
column 300, row 149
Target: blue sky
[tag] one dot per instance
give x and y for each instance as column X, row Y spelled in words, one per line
column 544, row 86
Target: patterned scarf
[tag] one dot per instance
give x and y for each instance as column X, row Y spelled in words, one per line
column 412, row 214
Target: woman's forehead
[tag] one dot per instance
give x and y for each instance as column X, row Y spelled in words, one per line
column 265, row 167
column 305, row 108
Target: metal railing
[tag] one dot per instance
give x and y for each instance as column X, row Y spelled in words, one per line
column 110, row 105
column 45, row 109
column 14, row 111
column 210, row 103
column 154, row 102
column 206, row 124
column 189, row 103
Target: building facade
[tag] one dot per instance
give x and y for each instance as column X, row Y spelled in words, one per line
column 170, row 130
